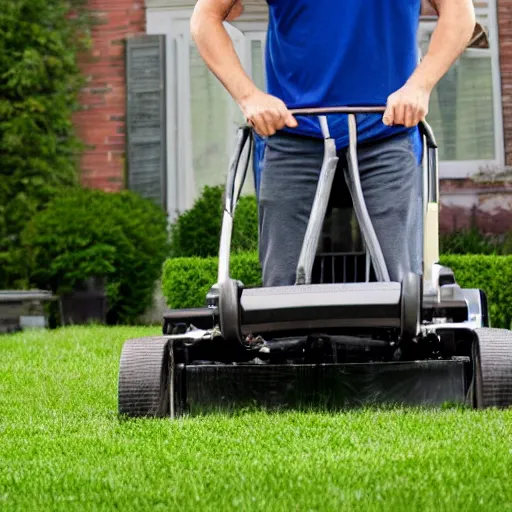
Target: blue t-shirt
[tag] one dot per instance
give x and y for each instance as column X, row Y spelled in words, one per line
column 322, row 53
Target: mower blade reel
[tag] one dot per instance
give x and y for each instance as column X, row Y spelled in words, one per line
column 205, row 389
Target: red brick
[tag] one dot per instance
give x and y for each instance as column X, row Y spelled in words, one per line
column 453, row 218
column 101, row 123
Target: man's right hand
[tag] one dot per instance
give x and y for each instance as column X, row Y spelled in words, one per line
column 267, row 114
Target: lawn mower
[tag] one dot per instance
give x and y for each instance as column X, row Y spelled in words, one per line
column 343, row 336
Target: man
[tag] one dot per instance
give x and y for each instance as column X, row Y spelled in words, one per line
column 324, row 53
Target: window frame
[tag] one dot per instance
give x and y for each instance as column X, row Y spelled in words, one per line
column 464, row 169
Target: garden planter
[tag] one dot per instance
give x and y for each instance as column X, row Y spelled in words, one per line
column 86, row 304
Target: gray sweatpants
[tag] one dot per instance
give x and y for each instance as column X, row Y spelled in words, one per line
column 391, row 180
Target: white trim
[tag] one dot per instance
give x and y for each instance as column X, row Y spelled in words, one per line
column 240, row 46
column 167, row 4
column 247, row 26
column 185, row 147
column 174, row 24
column 463, row 169
column 496, row 81
column 474, row 53
column 161, row 23
column 249, row 37
column 167, row 21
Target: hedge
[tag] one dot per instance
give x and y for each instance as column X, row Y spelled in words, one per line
column 40, row 84
column 119, row 237
column 186, row 281
column 196, row 232
column 492, row 274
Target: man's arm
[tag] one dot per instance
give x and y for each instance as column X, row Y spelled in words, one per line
column 455, row 26
column 265, row 112
column 216, row 47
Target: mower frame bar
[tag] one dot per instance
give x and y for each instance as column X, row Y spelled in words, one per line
column 304, row 267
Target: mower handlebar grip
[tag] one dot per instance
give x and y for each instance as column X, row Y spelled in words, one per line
column 316, row 111
column 378, row 109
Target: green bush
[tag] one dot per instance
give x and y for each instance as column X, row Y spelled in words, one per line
column 472, row 241
column 39, row 85
column 196, row 232
column 186, row 281
column 89, row 233
column 491, row 273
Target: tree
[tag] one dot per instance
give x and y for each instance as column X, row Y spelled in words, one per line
column 40, row 80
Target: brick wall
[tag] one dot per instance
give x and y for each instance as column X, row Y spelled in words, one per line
column 486, row 205
column 505, row 37
column 101, row 122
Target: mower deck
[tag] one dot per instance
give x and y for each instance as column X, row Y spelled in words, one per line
column 209, row 388
column 200, row 373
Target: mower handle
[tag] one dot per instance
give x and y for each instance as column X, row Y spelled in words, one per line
column 245, row 134
column 316, row 111
column 430, row 178
column 379, row 109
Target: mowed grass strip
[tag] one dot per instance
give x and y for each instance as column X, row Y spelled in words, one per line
column 62, row 446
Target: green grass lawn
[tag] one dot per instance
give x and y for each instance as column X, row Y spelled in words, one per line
column 62, row 446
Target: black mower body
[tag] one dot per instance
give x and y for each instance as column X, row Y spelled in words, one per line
column 343, row 336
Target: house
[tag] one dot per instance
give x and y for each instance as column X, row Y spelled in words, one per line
column 157, row 121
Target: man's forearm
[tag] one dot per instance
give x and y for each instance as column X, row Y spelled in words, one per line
column 216, row 47
column 454, row 29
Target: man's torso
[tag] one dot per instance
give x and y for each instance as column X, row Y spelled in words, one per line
column 341, row 53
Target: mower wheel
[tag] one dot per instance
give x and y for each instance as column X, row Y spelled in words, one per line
column 144, row 377
column 229, row 310
column 492, row 368
column 411, row 306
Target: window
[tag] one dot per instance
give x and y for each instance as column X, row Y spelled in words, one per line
column 465, row 107
column 205, row 118
column 212, row 124
column 255, row 42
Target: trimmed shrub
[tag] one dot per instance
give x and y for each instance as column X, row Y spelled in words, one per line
column 120, row 237
column 187, row 280
column 196, row 232
column 490, row 273
column 39, row 87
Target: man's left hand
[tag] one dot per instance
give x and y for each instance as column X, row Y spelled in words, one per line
column 407, row 106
